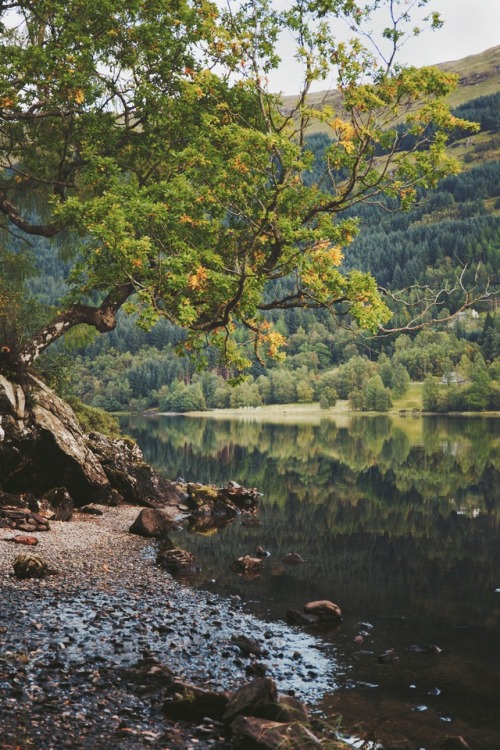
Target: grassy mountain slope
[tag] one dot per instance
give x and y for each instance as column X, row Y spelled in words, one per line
column 479, row 76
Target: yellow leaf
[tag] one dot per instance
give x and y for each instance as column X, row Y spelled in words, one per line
column 198, row 279
column 79, row 96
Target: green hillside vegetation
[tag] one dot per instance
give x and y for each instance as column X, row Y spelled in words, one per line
column 457, row 223
column 456, row 368
column 479, row 75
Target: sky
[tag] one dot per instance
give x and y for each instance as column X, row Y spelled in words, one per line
column 470, row 26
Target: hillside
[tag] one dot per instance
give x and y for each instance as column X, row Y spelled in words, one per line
column 479, row 76
column 455, row 225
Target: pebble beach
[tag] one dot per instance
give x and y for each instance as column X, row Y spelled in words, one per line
column 85, row 653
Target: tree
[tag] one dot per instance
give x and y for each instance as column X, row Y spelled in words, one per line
column 353, row 376
column 328, row 398
column 400, row 381
column 376, row 396
column 478, row 393
column 141, row 142
column 430, row 394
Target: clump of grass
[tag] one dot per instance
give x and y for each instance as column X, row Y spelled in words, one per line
column 92, row 419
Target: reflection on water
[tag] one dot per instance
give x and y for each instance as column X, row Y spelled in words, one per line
column 398, row 521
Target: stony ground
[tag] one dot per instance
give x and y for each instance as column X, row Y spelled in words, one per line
column 85, row 655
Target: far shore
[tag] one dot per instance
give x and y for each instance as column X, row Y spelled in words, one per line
column 312, row 413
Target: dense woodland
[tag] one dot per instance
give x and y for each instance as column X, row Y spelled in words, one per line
column 456, row 223
column 453, row 227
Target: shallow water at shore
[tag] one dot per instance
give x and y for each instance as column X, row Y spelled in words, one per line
column 72, row 644
column 398, row 521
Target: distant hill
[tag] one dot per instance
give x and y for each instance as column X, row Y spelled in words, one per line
column 479, row 76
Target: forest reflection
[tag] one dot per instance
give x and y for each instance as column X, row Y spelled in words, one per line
column 398, row 520
column 373, row 504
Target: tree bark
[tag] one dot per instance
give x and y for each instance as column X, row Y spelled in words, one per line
column 102, row 318
column 40, row 230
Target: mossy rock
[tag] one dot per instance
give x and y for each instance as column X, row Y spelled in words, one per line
column 30, row 566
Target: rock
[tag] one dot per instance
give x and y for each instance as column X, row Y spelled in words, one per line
column 417, row 649
column 388, row 656
column 30, row 566
column 294, row 617
column 123, row 463
column 293, row 558
column 91, row 511
column 61, row 503
column 148, row 676
column 454, row 743
column 152, row 522
column 43, row 445
column 256, row 669
column 243, row 498
column 247, row 564
column 261, row 552
column 323, row 609
column 247, row 645
column 256, row 698
column 22, row 519
column 249, row 733
column 194, row 704
column 30, row 541
column 177, row 562
column 291, row 709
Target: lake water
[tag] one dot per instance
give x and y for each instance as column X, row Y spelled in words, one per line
column 398, row 521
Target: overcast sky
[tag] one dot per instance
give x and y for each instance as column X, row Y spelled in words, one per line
column 471, row 26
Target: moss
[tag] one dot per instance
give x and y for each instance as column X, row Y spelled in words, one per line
column 92, row 419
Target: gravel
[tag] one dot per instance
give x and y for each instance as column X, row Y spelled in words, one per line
column 84, row 652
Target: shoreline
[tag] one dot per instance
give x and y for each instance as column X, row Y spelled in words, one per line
column 73, row 644
column 309, row 413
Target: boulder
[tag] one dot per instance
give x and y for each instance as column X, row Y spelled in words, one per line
column 247, row 645
column 294, row 617
column 192, row 703
column 30, row 566
column 178, row 562
column 290, row 709
column 90, row 510
column 43, row 446
column 126, row 471
column 256, row 698
column 61, row 503
column 250, row 733
column 243, row 498
column 293, row 558
column 152, row 522
column 247, row 564
column 324, row 610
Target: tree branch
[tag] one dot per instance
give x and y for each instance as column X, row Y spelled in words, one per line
column 42, row 230
column 102, row 318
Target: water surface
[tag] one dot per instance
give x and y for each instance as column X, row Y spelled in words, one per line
column 398, row 520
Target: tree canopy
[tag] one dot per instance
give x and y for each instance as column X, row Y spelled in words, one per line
column 142, row 143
